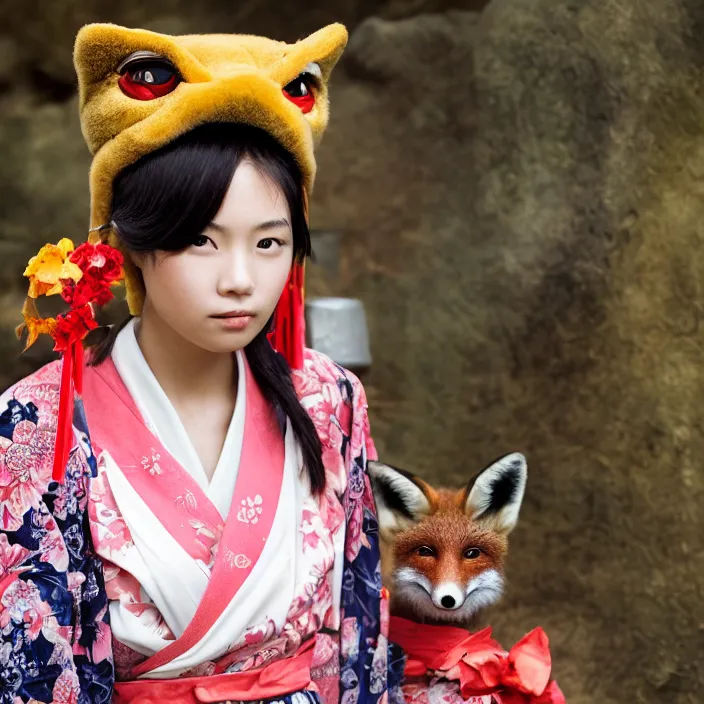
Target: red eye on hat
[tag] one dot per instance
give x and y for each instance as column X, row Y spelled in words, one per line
column 147, row 78
column 300, row 92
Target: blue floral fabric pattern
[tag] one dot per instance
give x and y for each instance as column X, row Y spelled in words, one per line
column 55, row 640
column 53, row 608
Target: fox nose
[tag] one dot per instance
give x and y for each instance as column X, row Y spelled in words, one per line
column 448, row 596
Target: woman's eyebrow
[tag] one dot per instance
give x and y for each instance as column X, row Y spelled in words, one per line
column 262, row 227
column 272, row 224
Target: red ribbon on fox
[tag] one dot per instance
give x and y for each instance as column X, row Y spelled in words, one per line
column 479, row 663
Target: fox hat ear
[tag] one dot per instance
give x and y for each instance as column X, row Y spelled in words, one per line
column 399, row 495
column 494, row 496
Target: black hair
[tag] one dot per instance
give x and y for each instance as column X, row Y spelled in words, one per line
column 167, row 198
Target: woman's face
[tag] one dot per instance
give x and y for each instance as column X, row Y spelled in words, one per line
column 220, row 292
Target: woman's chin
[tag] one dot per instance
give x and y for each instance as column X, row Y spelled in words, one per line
column 226, row 344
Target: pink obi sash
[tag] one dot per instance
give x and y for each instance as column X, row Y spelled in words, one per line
column 274, row 680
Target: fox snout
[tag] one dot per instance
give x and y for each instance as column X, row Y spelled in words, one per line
column 446, row 595
column 457, row 600
column 442, row 550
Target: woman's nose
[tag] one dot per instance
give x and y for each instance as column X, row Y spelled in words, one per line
column 236, row 275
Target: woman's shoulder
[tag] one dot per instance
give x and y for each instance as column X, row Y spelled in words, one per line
column 336, row 402
column 320, row 374
column 40, row 388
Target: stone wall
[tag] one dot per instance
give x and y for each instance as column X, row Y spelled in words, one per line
column 520, row 189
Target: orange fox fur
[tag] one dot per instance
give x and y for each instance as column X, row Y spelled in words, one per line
column 443, row 550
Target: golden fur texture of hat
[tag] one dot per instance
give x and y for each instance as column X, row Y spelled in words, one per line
column 222, row 78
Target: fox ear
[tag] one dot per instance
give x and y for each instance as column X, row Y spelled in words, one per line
column 494, row 496
column 400, row 497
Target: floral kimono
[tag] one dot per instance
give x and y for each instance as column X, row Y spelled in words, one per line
column 138, row 580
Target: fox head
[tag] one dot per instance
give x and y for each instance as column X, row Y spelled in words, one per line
column 443, row 550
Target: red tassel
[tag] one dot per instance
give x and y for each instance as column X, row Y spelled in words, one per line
column 298, row 320
column 71, row 382
column 78, row 366
column 65, row 408
column 279, row 334
column 289, row 334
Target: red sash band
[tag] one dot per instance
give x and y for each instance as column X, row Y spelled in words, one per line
column 274, row 680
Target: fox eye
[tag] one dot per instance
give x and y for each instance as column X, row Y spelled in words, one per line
column 472, row 553
column 145, row 76
column 300, row 92
column 425, row 551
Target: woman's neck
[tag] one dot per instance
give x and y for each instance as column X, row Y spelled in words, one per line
column 184, row 371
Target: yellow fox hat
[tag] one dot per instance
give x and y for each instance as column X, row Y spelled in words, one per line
column 139, row 90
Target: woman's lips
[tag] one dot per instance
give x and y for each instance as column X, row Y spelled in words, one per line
column 237, row 320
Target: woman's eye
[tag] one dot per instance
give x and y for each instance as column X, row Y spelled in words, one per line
column 201, row 241
column 147, row 80
column 268, row 243
column 472, row 553
column 425, row 551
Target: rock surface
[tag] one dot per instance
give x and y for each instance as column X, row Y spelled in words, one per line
column 520, row 187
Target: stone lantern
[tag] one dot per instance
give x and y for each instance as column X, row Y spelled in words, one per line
column 336, row 326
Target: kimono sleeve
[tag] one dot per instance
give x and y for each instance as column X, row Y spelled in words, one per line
column 370, row 667
column 54, row 632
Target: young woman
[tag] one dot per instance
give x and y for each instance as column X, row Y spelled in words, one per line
column 197, row 524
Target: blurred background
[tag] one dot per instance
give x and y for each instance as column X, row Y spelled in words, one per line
column 518, row 191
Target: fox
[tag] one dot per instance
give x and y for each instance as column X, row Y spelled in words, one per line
column 443, row 550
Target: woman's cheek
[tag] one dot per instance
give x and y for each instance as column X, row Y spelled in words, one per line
column 181, row 284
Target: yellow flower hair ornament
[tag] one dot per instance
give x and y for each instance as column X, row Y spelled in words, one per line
column 83, row 276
